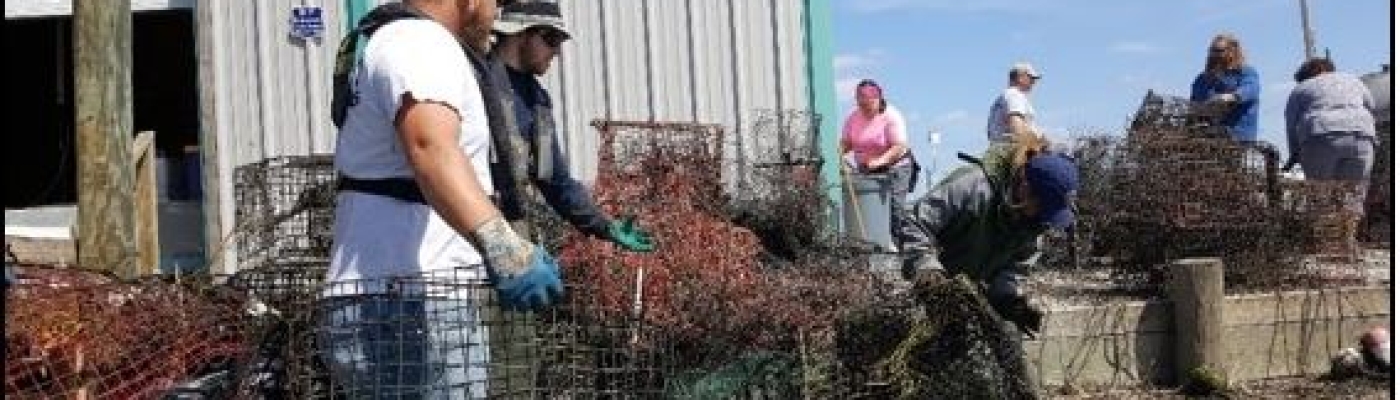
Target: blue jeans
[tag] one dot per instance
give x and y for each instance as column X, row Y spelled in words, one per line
column 405, row 347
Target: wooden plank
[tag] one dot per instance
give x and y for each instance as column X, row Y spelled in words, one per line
column 147, row 203
column 207, row 51
column 102, row 94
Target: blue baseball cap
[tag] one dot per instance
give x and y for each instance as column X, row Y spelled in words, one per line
column 1053, row 178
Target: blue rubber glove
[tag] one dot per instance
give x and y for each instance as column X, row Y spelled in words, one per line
column 626, row 234
column 537, row 287
column 525, row 276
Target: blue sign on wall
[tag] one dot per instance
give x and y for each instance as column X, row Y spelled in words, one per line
column 307, row 22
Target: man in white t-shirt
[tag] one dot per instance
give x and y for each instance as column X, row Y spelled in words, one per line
column 1012, row 112
column 414, row 220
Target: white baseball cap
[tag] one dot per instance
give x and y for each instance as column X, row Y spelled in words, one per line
column 1026, row 68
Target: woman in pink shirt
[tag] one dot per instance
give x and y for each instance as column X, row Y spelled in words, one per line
column 873, row 139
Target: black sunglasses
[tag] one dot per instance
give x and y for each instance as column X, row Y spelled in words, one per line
column 552, row 37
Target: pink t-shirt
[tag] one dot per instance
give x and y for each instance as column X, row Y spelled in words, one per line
column 870, row 137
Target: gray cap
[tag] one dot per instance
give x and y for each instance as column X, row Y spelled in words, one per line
column 1026, row 68
column 525, row 14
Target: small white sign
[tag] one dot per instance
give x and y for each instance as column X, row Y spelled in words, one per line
column 307, row 22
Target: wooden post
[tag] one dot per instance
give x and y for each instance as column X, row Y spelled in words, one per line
column 143, row 154
column 102, row 92
column 208, row 49
column 1197, row 294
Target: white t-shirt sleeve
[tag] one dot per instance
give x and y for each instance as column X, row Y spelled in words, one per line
column 1017, row 104
column 410, row 61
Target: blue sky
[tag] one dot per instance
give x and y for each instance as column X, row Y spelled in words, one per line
column 942, row 62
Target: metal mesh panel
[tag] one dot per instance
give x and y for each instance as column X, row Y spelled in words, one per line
column 74, row 334
column 284, row 210
column 1380, row 196
column 1175, row 187
column 734, row 308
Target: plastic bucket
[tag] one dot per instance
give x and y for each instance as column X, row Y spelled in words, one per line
column 866, row 214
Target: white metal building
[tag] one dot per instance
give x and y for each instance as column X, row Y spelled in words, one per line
column 262, row 92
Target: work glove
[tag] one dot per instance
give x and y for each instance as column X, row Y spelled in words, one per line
column 1019, row 311
column 628, row 235
column 525, row 276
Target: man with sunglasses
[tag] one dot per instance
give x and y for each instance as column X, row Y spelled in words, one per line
column 528, row 38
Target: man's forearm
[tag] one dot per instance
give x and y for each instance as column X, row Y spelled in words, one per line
column 447, row 182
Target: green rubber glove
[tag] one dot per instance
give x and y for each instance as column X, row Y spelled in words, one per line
column 629, row 236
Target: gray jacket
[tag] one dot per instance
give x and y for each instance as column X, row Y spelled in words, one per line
column 968, row 224
column 1329, row 103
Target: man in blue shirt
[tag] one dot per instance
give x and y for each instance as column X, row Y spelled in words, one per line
column 1228, row 82
column 529, row 35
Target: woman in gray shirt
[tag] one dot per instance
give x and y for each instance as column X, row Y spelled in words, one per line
column 1331, row 130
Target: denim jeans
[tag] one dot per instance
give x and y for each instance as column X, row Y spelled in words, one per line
column 405, row 347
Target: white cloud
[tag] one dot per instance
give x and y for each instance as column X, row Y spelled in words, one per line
column 846, row 62
column 850, row 63
column 844, row 87
column 851, row 68
column 1134, row 47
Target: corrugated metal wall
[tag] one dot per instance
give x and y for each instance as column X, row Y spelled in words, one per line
column 676, row 60
column 269, row 92
column 705, row 61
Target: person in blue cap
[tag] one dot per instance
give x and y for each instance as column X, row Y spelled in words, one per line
column 985, row 219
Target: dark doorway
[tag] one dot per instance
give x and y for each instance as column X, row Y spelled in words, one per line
column 40, row 156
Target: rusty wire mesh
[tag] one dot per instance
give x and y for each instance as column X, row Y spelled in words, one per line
column 761, row 299
column 300, row 331
column 76, row 334
column 1176, row 187
column 780, row 195
column 752, row 294
column 1380, row 195
column 284, row 213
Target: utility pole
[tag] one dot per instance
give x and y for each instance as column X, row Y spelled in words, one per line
column 1309, row 46
column 934, row 139
column 102, row 97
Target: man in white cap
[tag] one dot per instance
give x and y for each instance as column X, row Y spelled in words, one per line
column 1012, row 113
column 529, row 36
